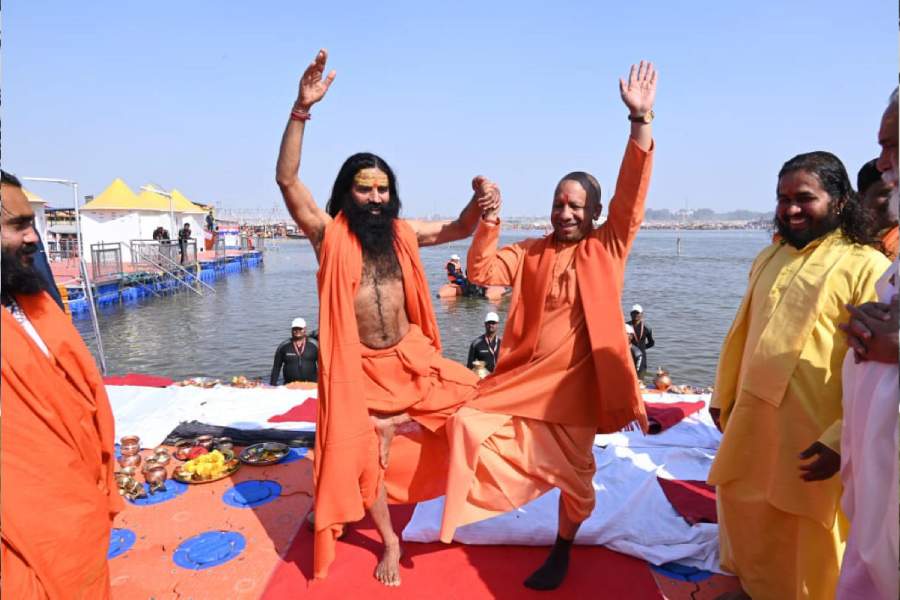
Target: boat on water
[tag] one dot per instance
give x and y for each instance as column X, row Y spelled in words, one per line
column 491, row 292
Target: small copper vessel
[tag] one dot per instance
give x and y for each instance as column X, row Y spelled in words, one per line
column 182, row 449
column 130, row 460
column 224, row 443
column 204, row 440
column 129, row 445
column 155, row 474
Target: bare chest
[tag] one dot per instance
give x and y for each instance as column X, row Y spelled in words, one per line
column 380, row 304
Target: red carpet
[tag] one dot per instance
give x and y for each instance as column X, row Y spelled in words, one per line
column 454, row 571
column 139, row 380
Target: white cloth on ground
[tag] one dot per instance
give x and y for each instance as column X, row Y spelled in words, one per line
column 152, row 413
column 632, row 516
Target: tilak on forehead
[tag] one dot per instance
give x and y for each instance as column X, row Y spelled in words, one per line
column 371, row 177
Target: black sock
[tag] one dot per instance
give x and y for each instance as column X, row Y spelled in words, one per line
column 551, row 574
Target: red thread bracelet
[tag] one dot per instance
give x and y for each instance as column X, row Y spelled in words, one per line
column 299, row 115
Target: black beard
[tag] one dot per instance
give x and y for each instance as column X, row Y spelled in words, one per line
column 815, row 231
column 18, row 276
column 375, row 232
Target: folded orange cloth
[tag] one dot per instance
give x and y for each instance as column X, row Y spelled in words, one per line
column 354, row 380
column 58, row 496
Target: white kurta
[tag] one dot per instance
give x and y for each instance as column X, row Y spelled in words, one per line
column 870, row 473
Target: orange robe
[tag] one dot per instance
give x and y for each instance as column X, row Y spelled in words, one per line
column 409, row 377
column 58, row 496
column 566, row 373
column 890, row 242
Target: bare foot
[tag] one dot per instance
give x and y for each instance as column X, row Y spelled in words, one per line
column 384, row 429
column 388, row 570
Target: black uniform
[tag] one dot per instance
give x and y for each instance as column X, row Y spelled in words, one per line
column 296, row 368
column 643, row 339
column 481, row 349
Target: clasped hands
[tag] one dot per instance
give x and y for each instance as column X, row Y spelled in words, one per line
column 487, row 196
column 872, row 331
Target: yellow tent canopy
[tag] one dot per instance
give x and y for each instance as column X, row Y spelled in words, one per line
column 118, row 196
column 181, row 204
column 32, row 197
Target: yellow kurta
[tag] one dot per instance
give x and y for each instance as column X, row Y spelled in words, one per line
column 778, row 386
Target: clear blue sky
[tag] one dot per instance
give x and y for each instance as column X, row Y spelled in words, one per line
column 195, row 95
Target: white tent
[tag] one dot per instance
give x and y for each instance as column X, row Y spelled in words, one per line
column 118, row 215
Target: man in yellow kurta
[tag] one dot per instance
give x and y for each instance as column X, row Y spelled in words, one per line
column 778, row 388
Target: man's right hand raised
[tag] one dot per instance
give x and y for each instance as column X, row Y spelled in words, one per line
column 314, row 84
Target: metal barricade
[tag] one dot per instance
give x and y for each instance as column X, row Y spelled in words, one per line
column 166, row 252
column 106, row 259
column 220, row 247
column 61, row 250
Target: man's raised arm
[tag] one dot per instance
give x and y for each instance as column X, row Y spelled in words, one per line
column 297, row 197
column 626, row 209
column 432, row 233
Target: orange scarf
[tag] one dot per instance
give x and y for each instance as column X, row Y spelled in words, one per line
column 890, row 242
column 58, row 494
column 346, row 456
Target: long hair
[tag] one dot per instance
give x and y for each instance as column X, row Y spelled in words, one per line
column 855, row 222
column 340, row 192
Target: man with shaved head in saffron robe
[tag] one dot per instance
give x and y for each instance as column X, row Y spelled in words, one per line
column 566, row 371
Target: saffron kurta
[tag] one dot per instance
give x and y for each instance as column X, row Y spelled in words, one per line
column 778, row 386
column 355, row 381
column 58, row 496
column 565, row 372
column 870, row 473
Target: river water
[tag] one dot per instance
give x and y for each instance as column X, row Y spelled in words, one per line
column 689, row 301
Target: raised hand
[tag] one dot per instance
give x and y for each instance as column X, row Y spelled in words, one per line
column 639, row 92
column 313, row 85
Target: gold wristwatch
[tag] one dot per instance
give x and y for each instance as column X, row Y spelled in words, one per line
column 645, row 118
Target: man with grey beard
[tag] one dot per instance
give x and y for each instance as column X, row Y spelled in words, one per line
column 871, row 402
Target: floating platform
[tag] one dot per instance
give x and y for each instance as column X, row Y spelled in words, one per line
column 136, row 282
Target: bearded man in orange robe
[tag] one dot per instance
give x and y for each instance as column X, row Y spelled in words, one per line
column 58, row 497
column 566, row 371
column 379, row 347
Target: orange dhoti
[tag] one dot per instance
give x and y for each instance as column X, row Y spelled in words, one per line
column 356, row 381
column 506, row 462
column 412, row 377
column 566, row 371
